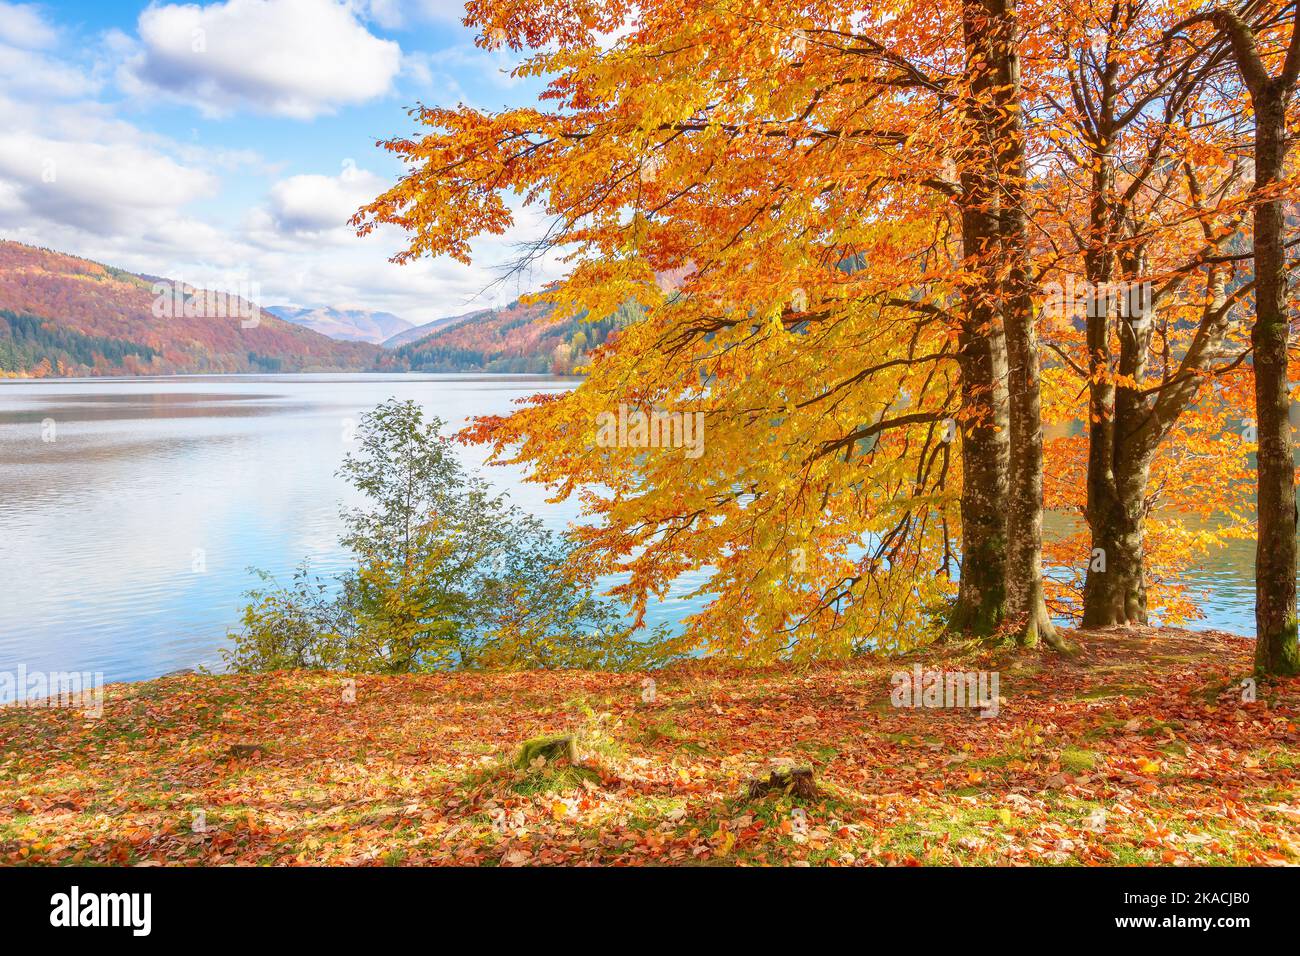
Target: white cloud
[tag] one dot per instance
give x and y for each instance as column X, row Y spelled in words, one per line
column 313, row 203
column 396, row 13
column 25, row 66
column 305, row 254
column 294, row 58
column 104, row 189
column 38, row 75
column 77, row 175
column 23, row 26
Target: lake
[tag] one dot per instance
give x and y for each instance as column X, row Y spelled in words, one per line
column 132, row 509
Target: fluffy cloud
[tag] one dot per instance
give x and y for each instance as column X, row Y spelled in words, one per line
column 39, row 76
column 313, row 203
column 294, row 58
column 26, row 67
column 306, row 255
column 101, row 188
column 396, row 13
column 22, row 25
column 91, row 177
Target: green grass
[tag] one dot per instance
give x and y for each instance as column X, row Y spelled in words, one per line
column 1077, row 761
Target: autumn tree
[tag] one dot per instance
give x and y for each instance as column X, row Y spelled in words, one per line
column 787, row 154
column 1139, row 201
column 832, row 224
column 981, row 602
column 1266, row 51
column 992, row 33
column 750, row 189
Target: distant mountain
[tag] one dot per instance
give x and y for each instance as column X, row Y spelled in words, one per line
column 519, row 339
column 344, row 325
column 416, row 332
column 63, row 315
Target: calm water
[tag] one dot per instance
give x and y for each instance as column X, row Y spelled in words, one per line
column 125, row 542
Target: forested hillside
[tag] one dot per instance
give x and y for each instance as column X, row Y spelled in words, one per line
column 63, row 315
column 415, row 333
column 519, row 339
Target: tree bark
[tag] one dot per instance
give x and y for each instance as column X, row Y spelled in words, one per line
column 1276, row 649
column 1115, row 589
column 981, row 596
column 1120, row 450
column 1104, row 597
column 1025, row 600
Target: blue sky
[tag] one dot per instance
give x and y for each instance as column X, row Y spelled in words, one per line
column 226, row 143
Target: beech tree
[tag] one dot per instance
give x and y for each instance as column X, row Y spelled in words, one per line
column 1123, row 120
column 1266, row 52
column 835, row 225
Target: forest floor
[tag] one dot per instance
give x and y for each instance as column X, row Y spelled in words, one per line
column 1141, row 750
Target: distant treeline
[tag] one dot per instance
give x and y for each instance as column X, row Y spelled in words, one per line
column 26, row 340
column 449, row 359
column 513, row 341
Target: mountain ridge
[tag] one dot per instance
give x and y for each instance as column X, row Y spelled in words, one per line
column 62, row 314
column 65, row 315
column 344, row 325
column 417, row 332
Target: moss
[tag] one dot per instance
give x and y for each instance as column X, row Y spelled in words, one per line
column 1078, row 761
column 1105, row 729
column 656, row 733
column 555, row 779
column 991, row 763
column 547, row 750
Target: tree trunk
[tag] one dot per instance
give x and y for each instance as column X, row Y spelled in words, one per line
column 1276, row 650
column 1115, row 590
column 1103, row 592
column 1025, row 602
column 1121, row 455
column 1122, row 442
column 981, row 597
